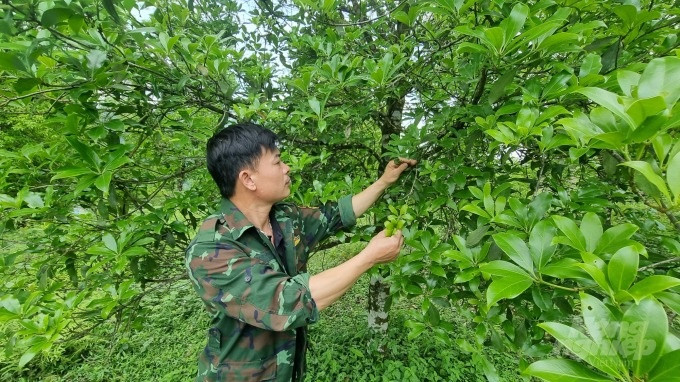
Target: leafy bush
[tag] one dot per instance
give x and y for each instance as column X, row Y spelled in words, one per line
column 546, row 134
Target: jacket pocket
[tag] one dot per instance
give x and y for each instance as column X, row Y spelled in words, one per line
column 262, row 370
column 248, row 371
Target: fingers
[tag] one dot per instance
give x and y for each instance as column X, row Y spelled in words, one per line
column 410, row 162
column 400, row 238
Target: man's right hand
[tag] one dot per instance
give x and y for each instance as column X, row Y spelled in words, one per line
column 383, row 249
column 329, row 285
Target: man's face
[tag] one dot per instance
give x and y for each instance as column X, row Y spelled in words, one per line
column 271, row 177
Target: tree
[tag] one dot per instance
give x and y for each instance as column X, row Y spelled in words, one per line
column 547, row 134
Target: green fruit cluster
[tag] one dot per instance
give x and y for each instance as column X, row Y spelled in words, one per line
column 397, row 219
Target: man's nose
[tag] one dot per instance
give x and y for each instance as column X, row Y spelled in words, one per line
column 286, row 169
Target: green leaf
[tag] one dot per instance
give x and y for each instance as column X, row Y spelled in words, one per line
column 514, row 23
column 584, row 348
column 475, row 209
column 648, row 172
column 402, row 17
column 54, row 16
column 437, row 270
column 608, row 100
column 643, row 334
column 627, row 81
column 560, row 42
column 27, row 357
column 580, row 129
column 622, row 268
column 498, row 88
column 466, row 275
column 673, row 177
column 69, row 172
column 671, row 299
column 95, row 59
column 597, row 275
column 660, row 79
column 591, row 228
column 556, row 85
column 503, row 268
column 667, row 369
column 84, row 183
column 116, row 162
column 537, row 32
column 652, row 284
column 516, row 249
column 562, row 370
column 110, row 242
column 111, row 9
column 102, row 182
column 662, row 145
column 76, row 23
column 468, row 47
column 489, row 204
column 494, row 39
column 11, row 308
column 315, row 105
column 34, row 200
column 601, row 323
column 627, row 13
column 565, row 269
column 538, row 207
column 574, row 236
column 23, row 85
column 604, row 119
column 476, row 192
column 612, row 238
column 10, row 61
column 540, row 243
column 507, row 287
column 591, row 65
column 643, row 108
column 432, row 316
column 414, row 289
column 86, row 153
column 403, row 210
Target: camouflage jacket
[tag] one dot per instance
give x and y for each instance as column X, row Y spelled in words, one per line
column 256, row 305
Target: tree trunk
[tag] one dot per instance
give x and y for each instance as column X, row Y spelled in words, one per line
column 378, row 314
column 378, row 289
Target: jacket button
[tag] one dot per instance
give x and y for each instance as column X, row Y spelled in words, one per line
column 248, row 278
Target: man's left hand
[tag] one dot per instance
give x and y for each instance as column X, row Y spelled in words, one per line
column 394, row 170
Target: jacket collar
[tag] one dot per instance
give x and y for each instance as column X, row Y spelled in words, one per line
column 237, row 223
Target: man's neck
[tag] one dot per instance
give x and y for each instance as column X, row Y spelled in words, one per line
column 254, row 210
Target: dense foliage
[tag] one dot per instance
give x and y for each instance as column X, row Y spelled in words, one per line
column 545, row 204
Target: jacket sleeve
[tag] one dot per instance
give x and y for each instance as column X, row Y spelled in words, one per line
column 249, row 289
column 320, row 223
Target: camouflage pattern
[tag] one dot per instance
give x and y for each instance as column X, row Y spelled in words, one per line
column 256, row 306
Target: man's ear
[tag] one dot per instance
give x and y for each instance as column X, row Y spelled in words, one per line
column 246, row 180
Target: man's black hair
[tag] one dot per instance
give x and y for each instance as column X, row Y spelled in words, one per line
column 234, row 148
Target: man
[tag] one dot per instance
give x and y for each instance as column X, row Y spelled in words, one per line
column 248, row 260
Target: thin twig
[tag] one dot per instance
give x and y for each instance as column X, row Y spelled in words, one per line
column 367, row 21
column 42, row 92
column 651, row 266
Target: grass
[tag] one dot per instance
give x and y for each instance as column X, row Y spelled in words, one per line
column 165, row 349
